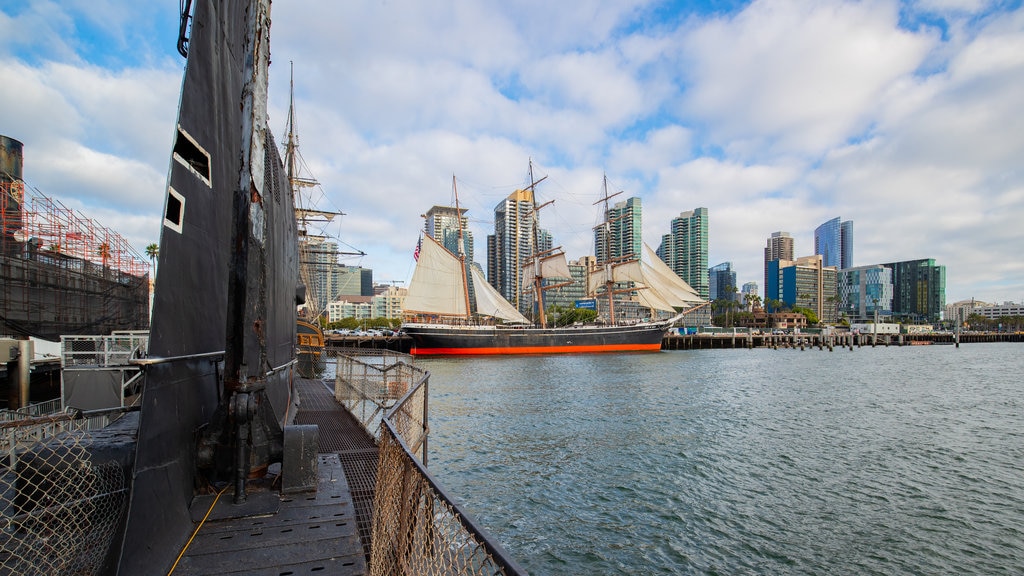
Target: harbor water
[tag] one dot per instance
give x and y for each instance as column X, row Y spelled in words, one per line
column 872, row 461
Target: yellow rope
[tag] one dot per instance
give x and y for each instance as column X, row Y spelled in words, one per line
column 196, row 531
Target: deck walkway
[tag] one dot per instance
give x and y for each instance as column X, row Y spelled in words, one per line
column 323, row 533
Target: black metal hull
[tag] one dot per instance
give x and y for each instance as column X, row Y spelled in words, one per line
column 441, row 340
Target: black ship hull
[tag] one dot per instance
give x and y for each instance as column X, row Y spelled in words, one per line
column 443, row 340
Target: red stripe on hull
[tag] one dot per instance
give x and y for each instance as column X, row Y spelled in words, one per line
column 484, row 351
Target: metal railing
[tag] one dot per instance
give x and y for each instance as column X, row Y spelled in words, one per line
column 418, row 529
column 368, row 384
column 116, row 349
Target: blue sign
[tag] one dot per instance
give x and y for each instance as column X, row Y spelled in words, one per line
column 589, row 304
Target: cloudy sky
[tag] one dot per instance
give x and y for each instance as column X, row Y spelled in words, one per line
column 905, row 117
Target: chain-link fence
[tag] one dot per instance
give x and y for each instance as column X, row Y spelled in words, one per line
column 368, row 384
column 417, row 529
column 59, row 509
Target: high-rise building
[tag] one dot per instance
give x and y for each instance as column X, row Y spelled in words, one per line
column 834, row 241
column 512, row 243
column 865, row 291
column 624, row 235
column 749, row 290
column 685, row 249
column 919, row 290
column 780, row 247
column 443, row 223
column 807, row 283
column 345, row 280
column 722, row 282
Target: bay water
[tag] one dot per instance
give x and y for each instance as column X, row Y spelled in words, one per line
column 867, row 461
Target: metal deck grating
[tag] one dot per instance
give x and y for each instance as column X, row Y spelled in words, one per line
column 310, row 532
column 341, row 434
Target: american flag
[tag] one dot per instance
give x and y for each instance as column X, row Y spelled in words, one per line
column 416, row 252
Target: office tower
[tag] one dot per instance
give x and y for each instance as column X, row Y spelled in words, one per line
column 919, row 290
column 442, row 223
column 624, row 237
column 512, row 243
column 780, row 247
column 807, row 283
column 685, row 249
column 834, row 241
column 721, row 278
column 865, row 291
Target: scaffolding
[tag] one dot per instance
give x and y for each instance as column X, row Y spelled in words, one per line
column 63, row 273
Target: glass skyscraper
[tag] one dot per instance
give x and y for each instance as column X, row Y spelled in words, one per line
column 834, row 241
column 720, row 278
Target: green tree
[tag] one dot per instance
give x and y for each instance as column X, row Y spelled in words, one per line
column 152, row 251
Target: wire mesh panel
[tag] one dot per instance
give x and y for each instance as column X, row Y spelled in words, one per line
column 367, row 385
column 59, row 510
column 417, row 530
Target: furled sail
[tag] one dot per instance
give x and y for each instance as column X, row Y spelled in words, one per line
column 551, row 266
column 630, row 271
column 490, row 303
column 437, row 285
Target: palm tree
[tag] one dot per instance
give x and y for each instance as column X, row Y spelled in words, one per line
column 153, row 251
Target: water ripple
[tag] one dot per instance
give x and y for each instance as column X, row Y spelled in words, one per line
column 872, row 461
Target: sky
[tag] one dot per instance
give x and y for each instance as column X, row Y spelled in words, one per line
column 775, row 115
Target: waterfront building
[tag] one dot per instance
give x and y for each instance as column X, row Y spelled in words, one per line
column 833, row 240
column 996, row 311
column 962, row 309
column 722, row 282
column 865, row 290
column 685, row 249
column 443, row 223
column 389, row 303
column 624, row 237
column 806, row 283
column 919, row 290
column 512, row 243
column 780, row 247
column 358, row 307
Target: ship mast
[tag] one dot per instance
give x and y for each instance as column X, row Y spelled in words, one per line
column 462, row 251
column 538, row 279
column 311, row 255
column 609, row 281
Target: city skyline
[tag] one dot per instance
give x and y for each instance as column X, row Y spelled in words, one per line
column 775, row 115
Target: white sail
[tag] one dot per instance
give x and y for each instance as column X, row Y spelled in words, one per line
column 437, row 285
column 551, row 266
column 659, row 277
column 490, row 303
column 624, row 272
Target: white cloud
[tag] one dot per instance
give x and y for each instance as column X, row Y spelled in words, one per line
column 797, row 76
column 778, row 116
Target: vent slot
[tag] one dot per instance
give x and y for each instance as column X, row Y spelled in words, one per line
column 192, row 156
column 174, row 214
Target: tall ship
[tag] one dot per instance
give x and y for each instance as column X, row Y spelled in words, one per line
column 315, row 253
column 451, row 309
